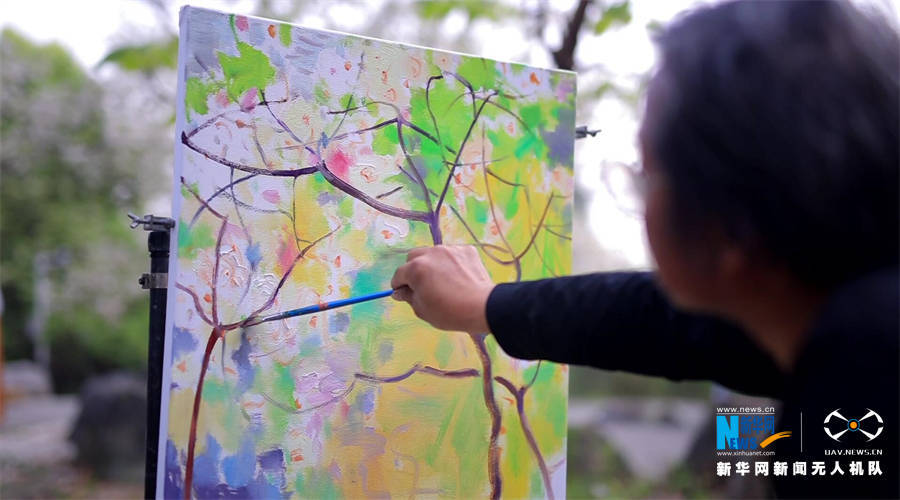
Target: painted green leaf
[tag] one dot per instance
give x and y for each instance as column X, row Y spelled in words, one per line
column 284, row 34
column 411, row 190
column 385, row 141
column 482, row 74
column 250, row 69
column 531, row 114
column 530, row 144
column 476, row 211
column 192, row 239
column 512, row 203
column 196, row 93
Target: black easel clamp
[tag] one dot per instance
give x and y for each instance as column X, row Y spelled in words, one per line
column 583, row 131
column 154, row 280
column 151, row 222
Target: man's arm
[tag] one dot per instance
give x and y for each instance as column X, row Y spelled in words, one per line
column 622, row 321
column 614, row 321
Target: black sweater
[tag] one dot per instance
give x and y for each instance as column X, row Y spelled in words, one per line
column 622, row 321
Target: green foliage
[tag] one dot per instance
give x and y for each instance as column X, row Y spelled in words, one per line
column 55, row 64
column 67, row 183
column 474, row 9
column 249, row 69
column 84, row 342
column 146, row 57
column 616, row 14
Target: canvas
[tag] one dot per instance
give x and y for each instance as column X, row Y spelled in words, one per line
column 307, row 164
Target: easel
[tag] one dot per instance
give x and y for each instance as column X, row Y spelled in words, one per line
column 157, row 282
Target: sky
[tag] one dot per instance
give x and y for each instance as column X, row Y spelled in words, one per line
column 625, row 54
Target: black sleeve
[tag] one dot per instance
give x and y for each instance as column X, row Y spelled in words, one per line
column 622, row 321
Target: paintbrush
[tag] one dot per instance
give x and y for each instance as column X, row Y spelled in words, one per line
column 323, row 306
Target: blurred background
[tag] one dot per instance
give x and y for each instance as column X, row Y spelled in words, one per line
column 86, row 134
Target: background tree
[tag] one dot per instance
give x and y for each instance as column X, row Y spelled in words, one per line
column 70, row 169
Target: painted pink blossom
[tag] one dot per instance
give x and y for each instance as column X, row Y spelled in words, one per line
column 249, row 100
column 271, row 196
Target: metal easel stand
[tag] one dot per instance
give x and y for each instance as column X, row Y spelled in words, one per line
column 157, row 282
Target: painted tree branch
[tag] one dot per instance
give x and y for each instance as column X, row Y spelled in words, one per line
column 217, row 333
column 437, row 209
column 215, row 274
column 253, row 320
column 246, row 168
column 352, row 191
column 197, row 306
column 378, row 379
column 219, row 191
column 558, row 234
column 214, row 337
column 203, row 203
column 519, row 395
column 490, row 402
column 487, row 189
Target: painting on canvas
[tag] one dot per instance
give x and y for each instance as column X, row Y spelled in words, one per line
column 308, row 163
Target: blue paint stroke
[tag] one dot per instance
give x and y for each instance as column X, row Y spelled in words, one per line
column 239, row 468
column 173, row 484
column 241, row 358
column 182, row 342
column 206, row 466
column 560, row 139
column 254, row 255
column 339, row 323
column 271, row 465
column 366, row 402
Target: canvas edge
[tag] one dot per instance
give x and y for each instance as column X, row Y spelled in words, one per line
column 558, row 479
column 173, row 258
column 380, row 40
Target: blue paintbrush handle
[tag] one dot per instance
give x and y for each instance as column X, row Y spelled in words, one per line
column 326, row 306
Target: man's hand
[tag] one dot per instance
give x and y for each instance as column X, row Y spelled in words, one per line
column 447, row 286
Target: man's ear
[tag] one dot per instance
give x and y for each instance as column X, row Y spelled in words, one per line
column 732, row 262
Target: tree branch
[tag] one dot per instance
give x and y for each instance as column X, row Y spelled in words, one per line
column 215, row 194
column 491, row 403
column 519, row 395
column 378, row 379
column 196, row 303
column 564, row 56
column 246, row 168
column 462, row 146
column 215, row 275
